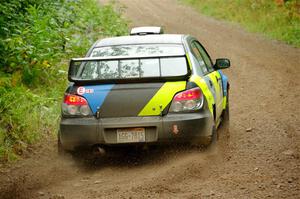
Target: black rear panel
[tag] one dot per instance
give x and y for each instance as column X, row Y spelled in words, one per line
column 125, row 100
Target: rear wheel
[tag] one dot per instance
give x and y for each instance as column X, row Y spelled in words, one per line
column 226, row 111
column 224, row 127
column 214, row 136
column 207, row 141
column 60, row 150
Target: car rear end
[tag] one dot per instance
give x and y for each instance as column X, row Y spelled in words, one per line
column 133, row 95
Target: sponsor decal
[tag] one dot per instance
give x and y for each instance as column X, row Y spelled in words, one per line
column 82, row 90
column 89, row 91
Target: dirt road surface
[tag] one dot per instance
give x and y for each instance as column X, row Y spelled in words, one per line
column 260, row 160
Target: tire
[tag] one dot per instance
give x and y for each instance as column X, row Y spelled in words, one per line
column 226, row 114
column 60, row 150
column 208, row 141
column 214, row 136
column 225, row 124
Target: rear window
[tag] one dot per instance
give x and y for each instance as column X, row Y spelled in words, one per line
column 139, row 50
column 131, row 62
column 131, row 68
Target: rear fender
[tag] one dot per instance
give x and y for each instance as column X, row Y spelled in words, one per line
column 206, row 92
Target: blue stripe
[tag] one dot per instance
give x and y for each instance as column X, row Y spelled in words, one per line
column 224, row 82
column 97, row 97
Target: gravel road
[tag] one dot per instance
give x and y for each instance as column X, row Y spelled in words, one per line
column 261, row 159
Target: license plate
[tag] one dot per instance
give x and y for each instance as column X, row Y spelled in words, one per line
column 131, row 135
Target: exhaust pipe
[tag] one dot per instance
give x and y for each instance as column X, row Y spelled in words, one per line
column 98, row 151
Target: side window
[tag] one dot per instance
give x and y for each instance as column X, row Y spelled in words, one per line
column 199, row 58
column 205, row 57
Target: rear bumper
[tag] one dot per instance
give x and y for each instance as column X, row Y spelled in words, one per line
column 191, row 127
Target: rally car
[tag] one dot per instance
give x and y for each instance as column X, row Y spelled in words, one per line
column 148, row 88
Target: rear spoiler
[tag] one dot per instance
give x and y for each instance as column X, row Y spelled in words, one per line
column 73, row 70
column 111, row 58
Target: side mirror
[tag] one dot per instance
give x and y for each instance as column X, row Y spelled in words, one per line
column 222, row 63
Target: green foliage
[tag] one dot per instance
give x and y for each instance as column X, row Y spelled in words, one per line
column 36, row 39
column 276, row 20
column 26, row 116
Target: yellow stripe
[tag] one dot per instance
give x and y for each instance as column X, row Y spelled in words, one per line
column 212, row 76
column 219, row 77
column 162, row 98
column 224, row 102
column 206, row 92
column 224, row 97
column 189, row 61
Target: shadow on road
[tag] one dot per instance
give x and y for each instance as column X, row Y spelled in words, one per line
column 137, row 156
column 133, row 157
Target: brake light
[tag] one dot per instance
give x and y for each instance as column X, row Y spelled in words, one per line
column 75, row 105
column 74, row 100
column 188, row 100
column 191, row 94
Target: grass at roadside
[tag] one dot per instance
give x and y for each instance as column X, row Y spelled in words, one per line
column 277, row 19
column 37, row 38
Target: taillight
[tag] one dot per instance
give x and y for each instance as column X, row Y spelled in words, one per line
column 188, row 100
column 75, row 105
column 74, row 100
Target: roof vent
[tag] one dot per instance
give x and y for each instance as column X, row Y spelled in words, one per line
column 146, row 30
